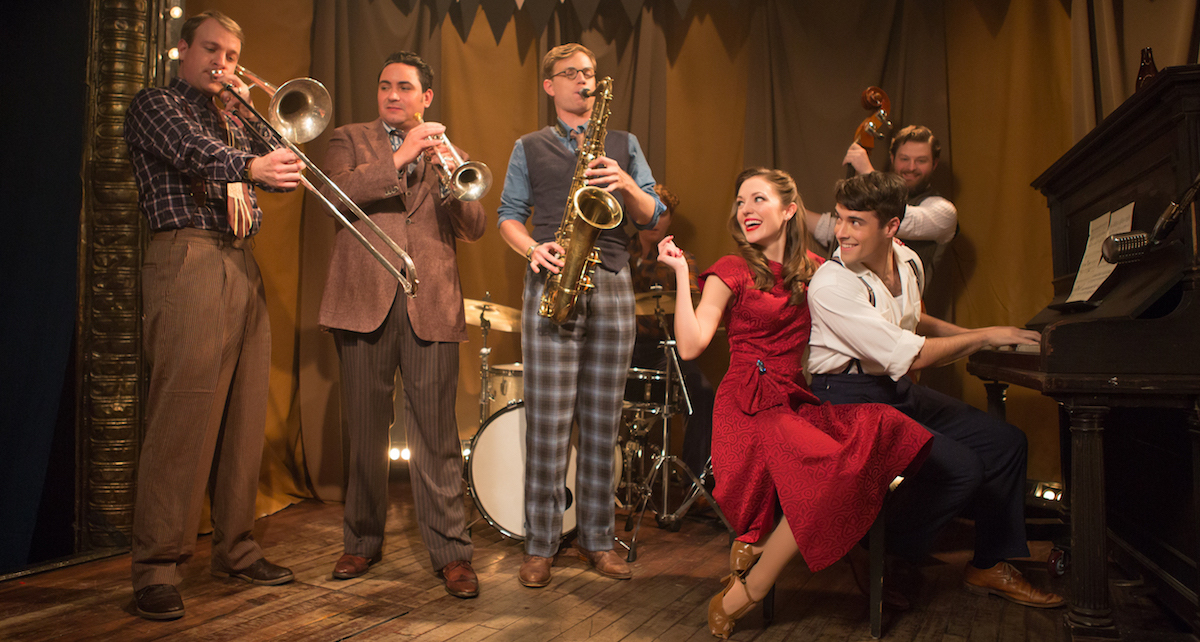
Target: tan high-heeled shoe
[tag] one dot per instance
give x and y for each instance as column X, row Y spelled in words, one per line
column 721, row 623
column 742, row 558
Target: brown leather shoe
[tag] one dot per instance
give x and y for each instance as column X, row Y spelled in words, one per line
column 261, row 572
column 351, row 566
column 460, row 579
column 606, row 563
column 158, row 602
column 1006, row 581
column 535, row 571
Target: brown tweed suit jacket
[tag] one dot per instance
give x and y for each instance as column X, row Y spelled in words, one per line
column 358, row 290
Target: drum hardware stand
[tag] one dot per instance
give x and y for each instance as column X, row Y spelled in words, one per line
column 485, row 388
column 664, row 460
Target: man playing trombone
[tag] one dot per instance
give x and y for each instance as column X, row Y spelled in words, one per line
column 205, row 329
column 387, row 166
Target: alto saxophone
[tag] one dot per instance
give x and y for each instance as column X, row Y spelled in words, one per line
column 590, row 210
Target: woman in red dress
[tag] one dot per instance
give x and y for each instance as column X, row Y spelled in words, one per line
column 828, row 466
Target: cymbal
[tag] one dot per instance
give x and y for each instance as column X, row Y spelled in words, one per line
column 501, row 317
column 644, row 301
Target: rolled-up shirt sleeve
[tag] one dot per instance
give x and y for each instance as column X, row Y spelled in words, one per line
column 516, row 201
column 934, row 219
column 846, row 326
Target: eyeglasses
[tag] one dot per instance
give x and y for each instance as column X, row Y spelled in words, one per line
column 570, row 72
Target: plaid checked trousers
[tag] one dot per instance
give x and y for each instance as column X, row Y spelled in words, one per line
column 576, row 370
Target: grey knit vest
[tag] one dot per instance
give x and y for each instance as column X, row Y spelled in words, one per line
column 551, row 165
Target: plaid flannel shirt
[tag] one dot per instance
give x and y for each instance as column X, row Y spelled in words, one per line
column 179, row 145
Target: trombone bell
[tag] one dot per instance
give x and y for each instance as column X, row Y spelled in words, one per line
column 300, row 109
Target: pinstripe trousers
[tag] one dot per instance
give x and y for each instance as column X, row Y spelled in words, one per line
column 207, row 341
column 576, row 370
column 429, row 371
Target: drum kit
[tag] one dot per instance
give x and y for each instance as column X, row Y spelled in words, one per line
column 495, row 467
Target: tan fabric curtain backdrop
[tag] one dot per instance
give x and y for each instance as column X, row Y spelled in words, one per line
column 767, row 82
column 1121, row 30
column 276, row 47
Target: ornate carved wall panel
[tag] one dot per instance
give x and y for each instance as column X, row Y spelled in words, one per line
column 122, row 61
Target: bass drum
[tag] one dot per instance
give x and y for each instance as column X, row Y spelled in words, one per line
column 496, row 473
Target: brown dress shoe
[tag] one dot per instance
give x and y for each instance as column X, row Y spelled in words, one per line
column 261, row 572
column 351, row 566
column 460, row 579
column 1006, row 581
column 607, row 563
column 158, row 602
column 535, row 571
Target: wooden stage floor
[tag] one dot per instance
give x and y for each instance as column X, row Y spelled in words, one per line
column 401, row 599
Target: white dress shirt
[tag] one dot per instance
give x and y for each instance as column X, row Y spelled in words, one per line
column 846, row 326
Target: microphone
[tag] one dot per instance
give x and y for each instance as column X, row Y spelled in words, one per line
column 1127, row 247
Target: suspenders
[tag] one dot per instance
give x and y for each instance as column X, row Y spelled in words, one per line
column 912, row 263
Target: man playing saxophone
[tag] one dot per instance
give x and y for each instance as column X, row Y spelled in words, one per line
column 577, row 368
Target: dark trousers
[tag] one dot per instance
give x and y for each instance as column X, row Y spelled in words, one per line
column 429, row 372
column 976, row 466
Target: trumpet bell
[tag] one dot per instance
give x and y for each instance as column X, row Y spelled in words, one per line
column 470, row 181
column 300, row 109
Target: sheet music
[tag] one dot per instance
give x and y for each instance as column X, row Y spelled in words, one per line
column 1093, row 269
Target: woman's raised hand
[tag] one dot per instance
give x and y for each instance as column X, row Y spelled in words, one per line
column 670, row 255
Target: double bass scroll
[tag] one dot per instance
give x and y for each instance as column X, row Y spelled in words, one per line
column 876, row 101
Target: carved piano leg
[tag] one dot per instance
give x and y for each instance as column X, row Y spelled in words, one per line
column 997, row 395
column 1194, row 421
column 1089, row 614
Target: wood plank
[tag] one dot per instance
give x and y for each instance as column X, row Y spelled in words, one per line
column 401, row 598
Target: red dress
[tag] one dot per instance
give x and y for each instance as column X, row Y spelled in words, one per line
column 829, row 466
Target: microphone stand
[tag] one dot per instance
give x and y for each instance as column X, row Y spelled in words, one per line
column 664, row 461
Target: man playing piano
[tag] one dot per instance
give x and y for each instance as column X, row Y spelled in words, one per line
column 868, row 332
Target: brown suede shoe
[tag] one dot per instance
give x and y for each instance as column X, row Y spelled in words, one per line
column 460, row 579
column 535, row 571
column 158, row 602
column 1007, row 582
column 261, row 572
column 351, row 566
column 606, row 563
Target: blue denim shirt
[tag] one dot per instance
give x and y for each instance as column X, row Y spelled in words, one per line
column 515, row 200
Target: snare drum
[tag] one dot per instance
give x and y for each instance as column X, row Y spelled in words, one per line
column 496, row 473
column 645, row 387
column 506, row 386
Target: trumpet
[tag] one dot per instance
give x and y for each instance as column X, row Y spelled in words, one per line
column 466, row 181
column 300, row 109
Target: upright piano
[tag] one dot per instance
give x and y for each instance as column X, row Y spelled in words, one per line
column 1125, row 365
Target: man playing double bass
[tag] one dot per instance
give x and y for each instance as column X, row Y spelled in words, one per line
column 579, row 367
column 930, row 220
column 383, row 166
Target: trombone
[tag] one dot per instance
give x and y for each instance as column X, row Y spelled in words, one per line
column 468, row 181
column 300, row 109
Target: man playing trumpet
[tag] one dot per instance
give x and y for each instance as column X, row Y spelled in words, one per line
column 206, row 333
column 386, row 167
